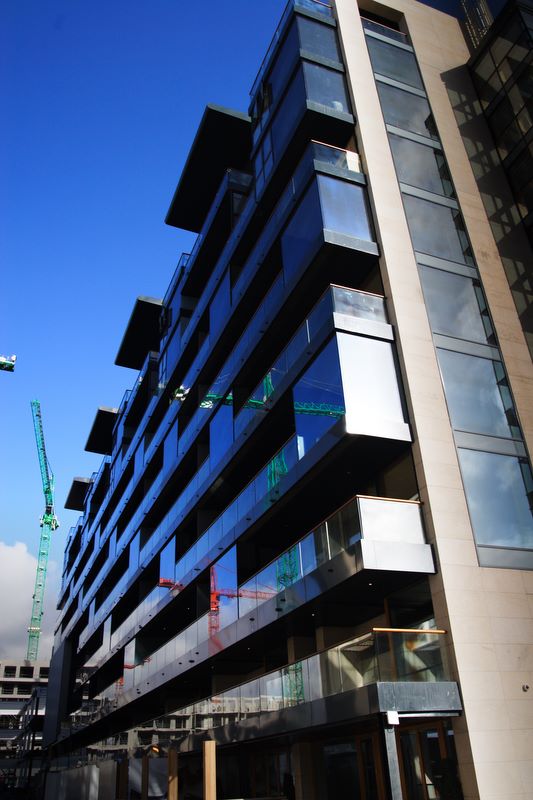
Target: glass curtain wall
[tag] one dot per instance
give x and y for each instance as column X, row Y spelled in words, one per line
column 495, row 469
column 503, row 77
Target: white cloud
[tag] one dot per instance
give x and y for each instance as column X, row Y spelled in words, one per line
column 17, row 580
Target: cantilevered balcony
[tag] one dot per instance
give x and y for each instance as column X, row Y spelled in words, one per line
column 383, row 669
column 367, row 539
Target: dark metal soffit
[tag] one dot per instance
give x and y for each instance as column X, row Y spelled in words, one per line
column 141, row 334
column 100, row 438
column 223, row 140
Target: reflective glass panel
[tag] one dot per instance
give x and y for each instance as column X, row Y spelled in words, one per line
column 359, row 304
column 223, row 592
column 318, row 398
column 499, row 492
column 284, row 63
column 343, row 528
column 326, row 87
column 394, row 62
column 341, row 771
column 220, row 433
column 288, row 112
column 437, row 230
column 477, row 394
column 219, row 307
column 167, row 560
column 406, row 110
column 412, row 767
column 456, row 306
column 318, row 39
column 344, row 207
column 420, row 165
column 301, row 236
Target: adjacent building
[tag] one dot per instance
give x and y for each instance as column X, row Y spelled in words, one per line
column 502, row 71
column 18, row 680
column 311, row 537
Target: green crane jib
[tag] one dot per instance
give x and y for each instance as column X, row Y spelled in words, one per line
column 49, row 523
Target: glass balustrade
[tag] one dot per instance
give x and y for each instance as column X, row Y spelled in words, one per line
column 336, row 156
column 363, row 305
column 384, row 30
column 140, row 612
column 373, row 518
column 363, row 517
column 338, row 299
column 262, row 488
column 416, row 655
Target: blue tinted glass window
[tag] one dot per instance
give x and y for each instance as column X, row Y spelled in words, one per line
column 406, row 110
column 420, row 165
column 326, row 87
column 302, row 235
column 437, row 230
column 477, row 394
column 171, row 355
column 288, row 113
column 318, row 398
column 220, row 433
column 456, row 306
column 344, row 207
column 394, row 62
column 223, row 592
column 321, row 40
column 167, row 561
column 219, row 307
column 499, row 492
column 284, row 63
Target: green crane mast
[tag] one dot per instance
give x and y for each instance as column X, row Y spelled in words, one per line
column 49, row 523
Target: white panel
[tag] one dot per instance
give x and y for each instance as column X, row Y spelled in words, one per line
column 370, row 385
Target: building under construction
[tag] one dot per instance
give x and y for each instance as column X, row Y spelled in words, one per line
column 18, row 680
column 309, row 546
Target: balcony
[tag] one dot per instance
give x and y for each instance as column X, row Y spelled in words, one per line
column 400, row 668
column 364, row 533
column 383, row 655
column 316, row 6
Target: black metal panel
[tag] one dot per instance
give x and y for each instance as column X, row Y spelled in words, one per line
column 100, row 439
column 409, row 697
column 355, row 705
column 141, row 334
column 223, row 140
column 77, row 493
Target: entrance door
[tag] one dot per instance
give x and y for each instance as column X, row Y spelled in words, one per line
column 352, row 769
column 428, row 763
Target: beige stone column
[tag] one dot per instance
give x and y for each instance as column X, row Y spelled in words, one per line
column 210, row 770
column 172, row 774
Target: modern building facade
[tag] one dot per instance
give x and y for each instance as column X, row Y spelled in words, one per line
column 29, row 742
column 502, row 71
column 311, row 538
column 18, row 680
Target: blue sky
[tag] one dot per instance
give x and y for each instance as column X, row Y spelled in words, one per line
column 99, row 104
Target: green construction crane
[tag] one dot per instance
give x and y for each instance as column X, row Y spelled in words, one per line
column 49, row 523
